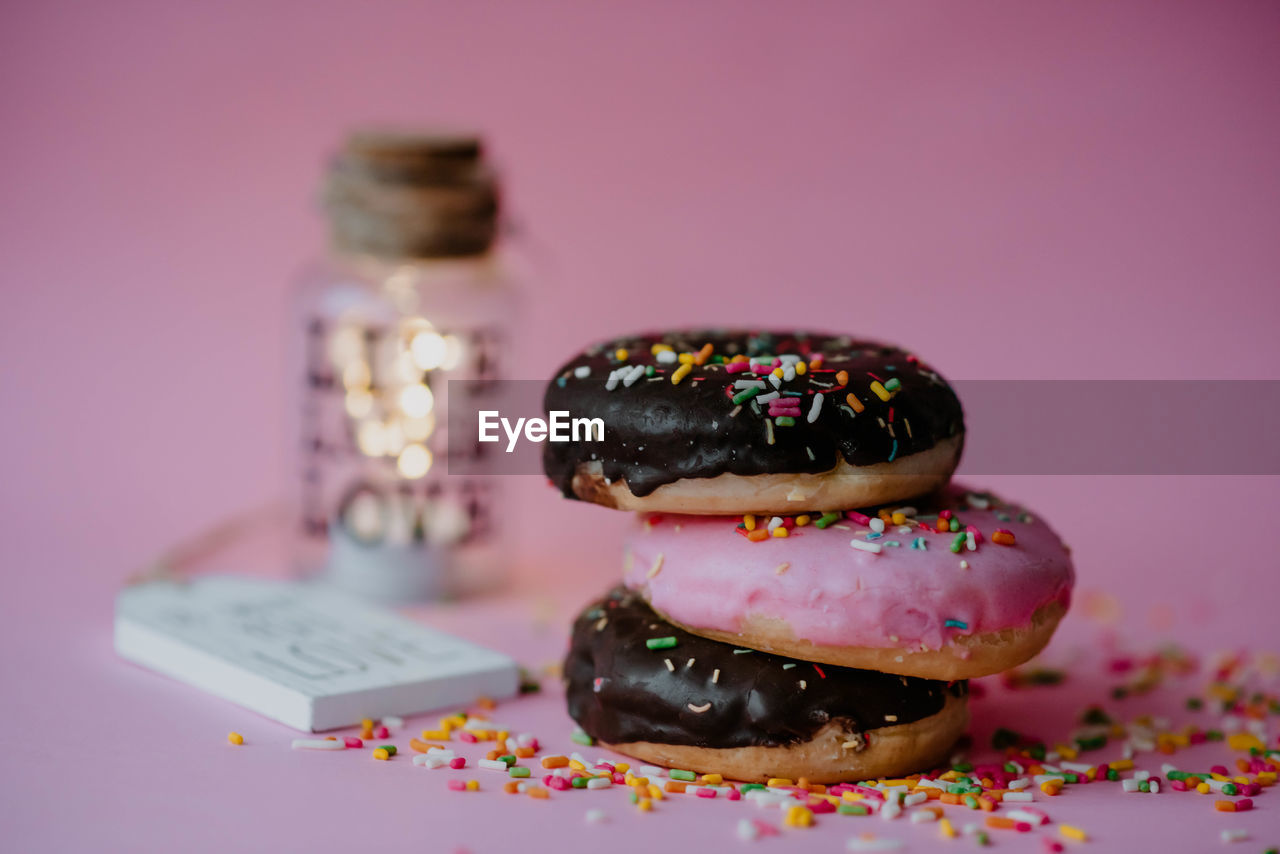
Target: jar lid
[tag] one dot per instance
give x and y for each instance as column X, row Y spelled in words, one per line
column 412, row 194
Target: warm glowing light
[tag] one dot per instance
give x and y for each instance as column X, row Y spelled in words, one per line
column 429, row 350
column 371, row 438
column 447, row 523
column 417, row 401
column 406, row 369
column 395, row 438
column 359, row 403
column 363, row 517
column 356, row 375
column 414, row 461
column 418, row 429
column 453, row 351
column 346, row 345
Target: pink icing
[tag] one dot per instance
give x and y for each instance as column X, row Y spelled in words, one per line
column 832, row 594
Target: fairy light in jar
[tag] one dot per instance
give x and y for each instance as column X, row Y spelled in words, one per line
column 346, row 345
column 355, row 375
column 414, row 461
column 371, row 438
column 364, row 517
column 454, row 353
column 359, row 403
column 415, row 292
column 430, row 350
column 395, row 438
column 416, row 401
column 418, row 429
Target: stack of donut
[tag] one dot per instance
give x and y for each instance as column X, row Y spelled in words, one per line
column 805, row 591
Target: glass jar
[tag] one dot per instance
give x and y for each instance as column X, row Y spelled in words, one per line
column 416, row 291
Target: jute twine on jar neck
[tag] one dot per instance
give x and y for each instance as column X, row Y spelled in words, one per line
column 411, row 195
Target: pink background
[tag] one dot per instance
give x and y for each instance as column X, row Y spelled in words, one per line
column 1080, row 190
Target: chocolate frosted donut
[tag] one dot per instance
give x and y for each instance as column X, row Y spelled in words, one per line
column 708, row 422
column 651, row 690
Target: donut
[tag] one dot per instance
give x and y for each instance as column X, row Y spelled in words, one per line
column 648, row 689
column 903, row 590
column 716, row 422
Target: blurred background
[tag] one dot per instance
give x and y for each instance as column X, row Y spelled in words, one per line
column 1082, row 190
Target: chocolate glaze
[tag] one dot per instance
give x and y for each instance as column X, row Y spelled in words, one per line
column 657, row 433
column 621, row 691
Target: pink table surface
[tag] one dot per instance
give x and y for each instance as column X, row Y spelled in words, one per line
column 101, row 754
column 1064, row 190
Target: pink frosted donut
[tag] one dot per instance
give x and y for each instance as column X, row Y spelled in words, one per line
column 878, row 592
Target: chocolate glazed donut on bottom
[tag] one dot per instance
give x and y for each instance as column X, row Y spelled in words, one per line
column 848, row 423
column 711, row 707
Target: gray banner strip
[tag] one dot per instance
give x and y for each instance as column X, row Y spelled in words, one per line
column 1040, row 427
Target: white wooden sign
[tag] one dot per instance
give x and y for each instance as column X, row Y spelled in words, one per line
column 299, row 654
